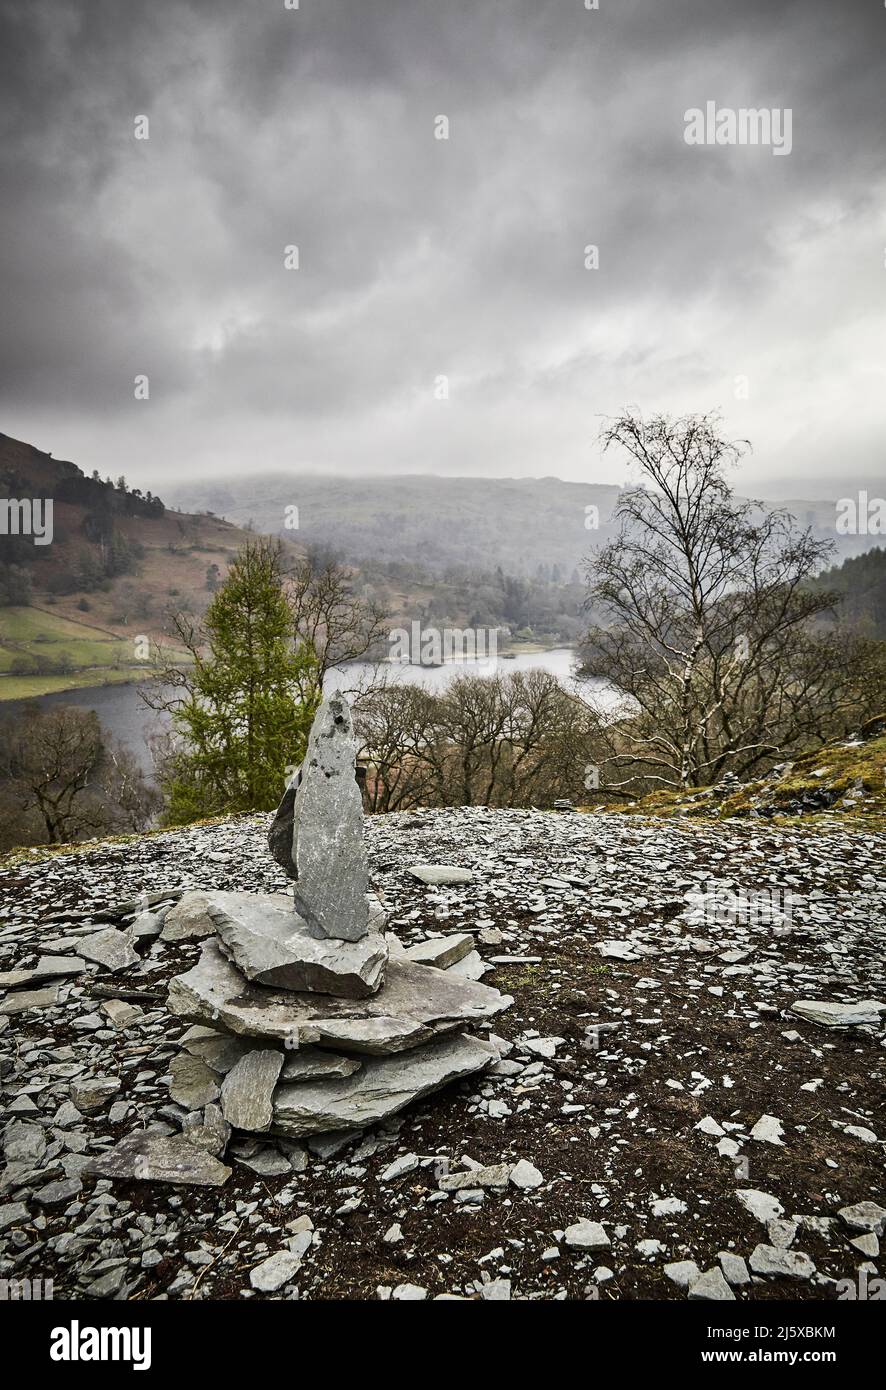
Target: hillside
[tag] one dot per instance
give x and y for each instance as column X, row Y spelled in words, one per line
column 861, row 583
column 118, row 563
column 518, row 524
column 436, row 522
column 842, row 779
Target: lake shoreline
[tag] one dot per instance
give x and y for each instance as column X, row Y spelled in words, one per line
column 126, row 718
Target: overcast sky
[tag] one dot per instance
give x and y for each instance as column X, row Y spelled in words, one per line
column 421, row 258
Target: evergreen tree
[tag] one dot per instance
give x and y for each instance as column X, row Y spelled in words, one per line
column 249, row 699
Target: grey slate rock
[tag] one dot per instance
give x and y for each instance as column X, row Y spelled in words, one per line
column 220, row 1051
column 267, row 1163
column 683, row 1273
column 864, row 1216
column 47, row 968
column 24, row 1143
column 495, row 1175
column 54, row 1193
column 15, row 1214
column 280, row 833
column 735, row 1271
column 831, row 1015
column 312, row 1063
column 382, row 1087
column 328, row 849
column 247, row 1090
column 274, row 1272
column 784, row 1264
column 93, row 1093
column 442, row 952
column 152, row 1157
column 711, row 1285
column 194, row 1084
column 208, row 1130
column 271, row 945
column 416, row 1003
column 189, row 920
column 111, row 949
column 438, row 875
column 587, row 1235
column 24, row 1001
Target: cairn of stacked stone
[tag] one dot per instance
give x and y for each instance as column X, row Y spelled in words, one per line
column 308, row 1018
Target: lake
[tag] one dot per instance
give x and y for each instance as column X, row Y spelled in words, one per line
column 124, row 715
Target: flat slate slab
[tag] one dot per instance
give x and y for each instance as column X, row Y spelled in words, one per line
column 272, row 945
column 415, row 1004
column 47, row 968
column 220, row 1051
column 247, row 1089
column 835, row 1015
column 110, row 948
column 194, row 1084
column 312, row 1063
column 24, row 1000
column 440, row 874
column 160, row 1158
column 383, row 1086
column 442, row 951
column 189, row 919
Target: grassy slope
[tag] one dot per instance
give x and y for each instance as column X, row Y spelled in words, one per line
column 98, row 644
column 845, row 780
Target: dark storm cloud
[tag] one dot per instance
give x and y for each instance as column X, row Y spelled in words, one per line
column 421, row 258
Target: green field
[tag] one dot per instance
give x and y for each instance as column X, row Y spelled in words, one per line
column 41, row 653
column 25, row 687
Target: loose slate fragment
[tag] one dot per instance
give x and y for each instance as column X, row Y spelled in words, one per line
column 91, row 1094
column 711, row 1285
column 220, row 1051
column 47, row 968
column 781, row 1264
column 587, row 1235
column 194, row 1084
column 442, row 952
column 208, row 1130
column 189, row 920
column 25, row 1000
column 416, row 1004
column 381, row 1088
column 110, row 948
column 495, row 1175
column 312, row 1063
column 865, row 1216
column 247, row 1090
column 160, row 1158
column 438, row 875
column 829, row 1015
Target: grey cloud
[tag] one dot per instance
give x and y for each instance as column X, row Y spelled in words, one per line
column 419, row 257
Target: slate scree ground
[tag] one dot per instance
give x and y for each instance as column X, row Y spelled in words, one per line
column 215, row 1088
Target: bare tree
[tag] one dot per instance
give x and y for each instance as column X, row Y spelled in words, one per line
column 505, row 740
column 330, row 615
column 61, row 781
column 397, row 724
column 707, row 608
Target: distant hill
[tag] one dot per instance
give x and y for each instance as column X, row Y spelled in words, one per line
column 513, row 523
column 861, row 580
column 119, row 561
column 438, row 523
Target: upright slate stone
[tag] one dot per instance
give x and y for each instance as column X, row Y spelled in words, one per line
column 327, row 837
